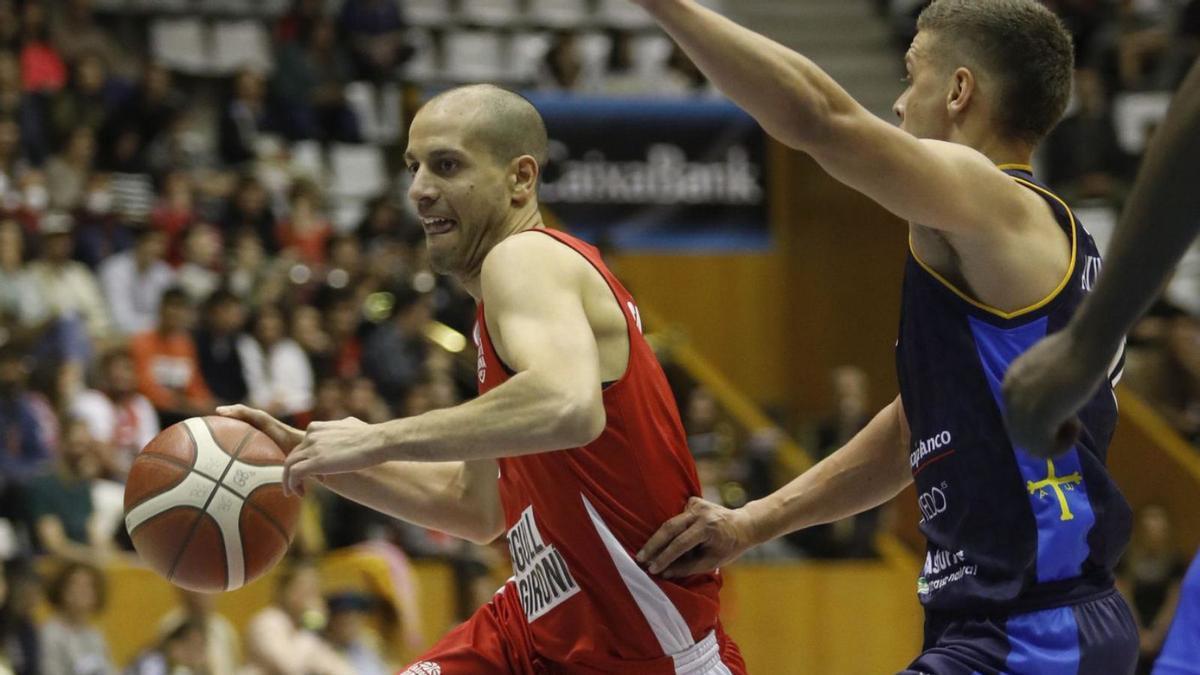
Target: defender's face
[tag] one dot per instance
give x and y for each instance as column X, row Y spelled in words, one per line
column 922, row 106
column 458, row 188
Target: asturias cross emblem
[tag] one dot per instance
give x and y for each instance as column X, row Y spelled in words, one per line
column 1060, row 485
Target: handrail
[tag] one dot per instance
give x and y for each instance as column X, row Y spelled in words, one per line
column 1157, row 428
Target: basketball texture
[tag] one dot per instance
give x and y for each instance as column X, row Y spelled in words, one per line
column 204, row 504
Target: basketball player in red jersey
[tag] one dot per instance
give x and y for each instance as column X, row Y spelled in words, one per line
column 574, row 417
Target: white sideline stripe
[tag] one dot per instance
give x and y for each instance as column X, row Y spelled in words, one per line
column 668, row 625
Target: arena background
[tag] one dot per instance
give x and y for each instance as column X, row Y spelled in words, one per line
column 247, row 152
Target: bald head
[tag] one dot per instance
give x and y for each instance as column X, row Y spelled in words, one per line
column 503, row 122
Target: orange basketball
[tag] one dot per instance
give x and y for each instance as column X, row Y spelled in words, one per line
column 204, row 504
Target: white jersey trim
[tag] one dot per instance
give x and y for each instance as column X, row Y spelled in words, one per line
column 665, row 620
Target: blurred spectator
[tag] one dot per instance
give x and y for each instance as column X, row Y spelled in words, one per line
column 682, row 75
column 24, row 108
column 182, row 651
column 278, row 374
column 253, row 276
column 168, row 370
column 305, row 232
column 67, row 173
column 621, row 77
column 563, row 63
column 42, row 69
column 309, row 83
column 1081, row 154
column 74, row 31
column 26, row 449
column 21, row 303
column 13, row 166
column 71, row 645
column 69, row 287
column 199, row 275
column 217, row 348
column 852, row 537
column 1144, row 32
column 364, row 402
column 384, row 223
column 222, row 644
column 115, row 413
column 175, row 211
column 343, row 319
column 245, row 117
column 54, row 384
column 1149, row 576
column 298, row 20
column 351, row 636
column 19, row 646
column 99, row 232
column 86, row 101
column 145, row 117
column 249, row 210
column 10, row 26
column 135, row 280
column 394, row 355
column 282, row 639
column 329, row 403
column 62, row 510
column 5, row 662
column 375, row 30
column 344, row 261
column 309, row 333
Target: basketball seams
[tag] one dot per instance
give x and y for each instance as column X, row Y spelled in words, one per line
column 261, row 511
column 189, row 488
column 166, row 459
column 196, row 523
column 162, row 513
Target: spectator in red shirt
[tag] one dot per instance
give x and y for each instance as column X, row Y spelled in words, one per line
column 168, row 370
column 306, row 229
column 42, row 69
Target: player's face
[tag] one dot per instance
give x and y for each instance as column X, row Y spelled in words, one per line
column 458, row 188
column 922, row 106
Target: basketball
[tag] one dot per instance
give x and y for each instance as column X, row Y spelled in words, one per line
column 204, row 504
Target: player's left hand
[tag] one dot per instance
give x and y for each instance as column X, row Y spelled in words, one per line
column 702, row 538
column 339, row 446
column 1044, row 389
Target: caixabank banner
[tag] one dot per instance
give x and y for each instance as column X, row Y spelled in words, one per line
column 665, row 174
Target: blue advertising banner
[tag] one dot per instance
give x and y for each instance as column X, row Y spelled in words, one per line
column 656, row 173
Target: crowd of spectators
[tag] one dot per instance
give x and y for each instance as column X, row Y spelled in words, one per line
column 175, row 238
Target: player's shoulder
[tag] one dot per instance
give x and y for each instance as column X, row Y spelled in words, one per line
column 530, row 253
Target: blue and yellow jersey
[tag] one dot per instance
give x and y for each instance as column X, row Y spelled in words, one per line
column 1181, row 652
column 1006, row 531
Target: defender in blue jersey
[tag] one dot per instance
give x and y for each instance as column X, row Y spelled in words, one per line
column 1180, row 654
column 1017, row 576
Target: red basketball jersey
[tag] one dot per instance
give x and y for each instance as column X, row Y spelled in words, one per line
column 577, row 517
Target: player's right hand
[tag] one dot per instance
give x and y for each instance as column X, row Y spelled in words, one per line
column 702, row 538
column 285, row 436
